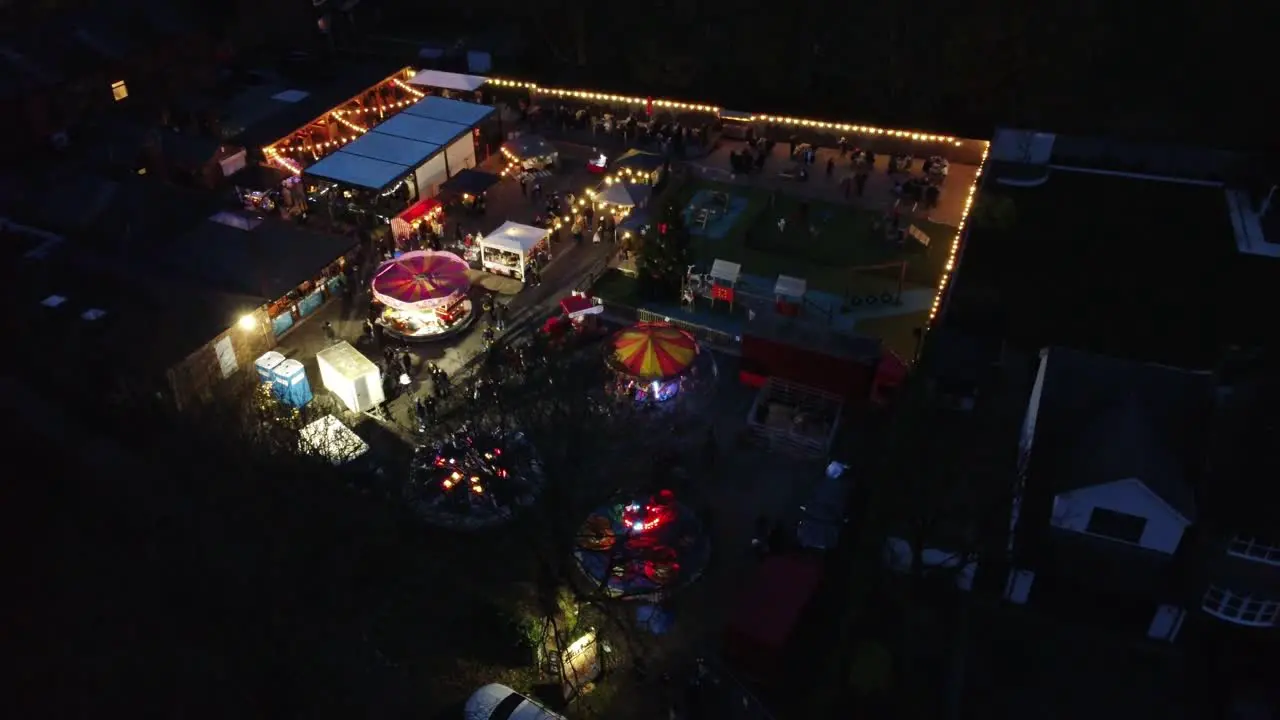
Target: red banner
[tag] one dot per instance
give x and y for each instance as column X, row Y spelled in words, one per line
column 722, row 292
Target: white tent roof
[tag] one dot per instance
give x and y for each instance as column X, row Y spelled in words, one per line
column 624, row 194
column 331, row 440
column 726, row 271
column 447, row 80
column 454, row 111
column 390, row 148
column 357, row 170
column 792, row 287
column 514, row 237
column 414, row 127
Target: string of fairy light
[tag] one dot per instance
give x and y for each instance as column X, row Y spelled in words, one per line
column 953, row 253
column 276, row 153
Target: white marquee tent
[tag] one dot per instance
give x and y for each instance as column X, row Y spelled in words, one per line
column 511, row 237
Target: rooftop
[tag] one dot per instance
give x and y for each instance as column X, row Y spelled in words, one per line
column 75, row 311
column 1127, row 266
column 263, row 258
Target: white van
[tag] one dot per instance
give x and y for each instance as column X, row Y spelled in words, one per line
column 499, row 702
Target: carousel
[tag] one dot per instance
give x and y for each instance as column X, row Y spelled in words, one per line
column 473, row 480
column 424, row 296
column 652, row 360
column 642, row 548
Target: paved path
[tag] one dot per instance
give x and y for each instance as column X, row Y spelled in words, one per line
column 571, row 264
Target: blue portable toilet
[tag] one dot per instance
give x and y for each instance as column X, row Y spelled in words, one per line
column 267, row 365
column 291, row 384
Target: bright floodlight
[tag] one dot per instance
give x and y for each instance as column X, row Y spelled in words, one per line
column 247, row 322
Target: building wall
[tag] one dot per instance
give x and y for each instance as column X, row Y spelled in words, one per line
column 198, row 377
column 1164, row 529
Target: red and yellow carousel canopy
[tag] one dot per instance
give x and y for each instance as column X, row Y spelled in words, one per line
column 421, row 280
column 653, row 351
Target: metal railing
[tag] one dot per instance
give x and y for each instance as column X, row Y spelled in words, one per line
column 711, row 337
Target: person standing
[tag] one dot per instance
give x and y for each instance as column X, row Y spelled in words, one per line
column 330, row 334
column 524, row 186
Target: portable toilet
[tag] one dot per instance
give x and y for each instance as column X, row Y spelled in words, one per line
column 267, row 365
column 291, row 385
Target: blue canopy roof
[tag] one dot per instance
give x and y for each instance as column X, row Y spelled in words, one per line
column 413, row 127
column 357, row 170
column 390, row 148
column 454, row 111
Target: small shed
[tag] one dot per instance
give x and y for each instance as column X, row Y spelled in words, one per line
column 725, row 272
column 791, row 288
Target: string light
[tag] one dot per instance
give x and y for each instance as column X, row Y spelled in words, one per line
column 696, row 107
column 353, row 127
column 409, row 88
column 274, row 156
column 949, row 269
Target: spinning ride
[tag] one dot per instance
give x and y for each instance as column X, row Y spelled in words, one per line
column 474, row 479
column 424, row 295
column 642, row 549
column 651, row 360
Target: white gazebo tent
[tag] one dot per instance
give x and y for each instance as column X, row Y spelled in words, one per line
column 330, row 439
column 724, row 273
column 792, row 288
column 512, row 238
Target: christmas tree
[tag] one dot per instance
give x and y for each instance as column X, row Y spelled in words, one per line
column 664, row 256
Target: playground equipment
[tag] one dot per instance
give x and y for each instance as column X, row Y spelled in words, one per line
column 788, row 296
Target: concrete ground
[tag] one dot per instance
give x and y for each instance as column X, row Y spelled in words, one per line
column 527, row 306
column 878, row 193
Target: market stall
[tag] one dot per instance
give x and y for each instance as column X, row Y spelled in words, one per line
column 351, row 376
column 530, row 152
column 469, row 187
column 651, row 360
column 510, row 249
column 640, row 166
column 642, row 548
column 424, row 295
column 622, row 195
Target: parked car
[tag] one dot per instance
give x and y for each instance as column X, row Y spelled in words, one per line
column 823, row 516
column 499, row 702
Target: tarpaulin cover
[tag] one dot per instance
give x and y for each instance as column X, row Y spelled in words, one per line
column 765, row 619
column 420, row 280
column 653, row 351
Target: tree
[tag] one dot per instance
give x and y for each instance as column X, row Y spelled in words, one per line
column 665, row 253
column 946, row 483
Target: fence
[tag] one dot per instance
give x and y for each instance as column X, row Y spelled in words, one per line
column 709, row 337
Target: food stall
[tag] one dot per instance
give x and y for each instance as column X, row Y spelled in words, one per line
column 509, row 249
column 351, row 376
column 651, row 360
column 423, row 295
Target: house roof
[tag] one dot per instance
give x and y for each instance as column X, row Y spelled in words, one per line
column 109, row 322
column 265, row 261
column 1245, row 454
column 266, row 119
column 1102, row 419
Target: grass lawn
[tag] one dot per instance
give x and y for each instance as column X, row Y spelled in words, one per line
column 895, row 331
column 825, row 250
